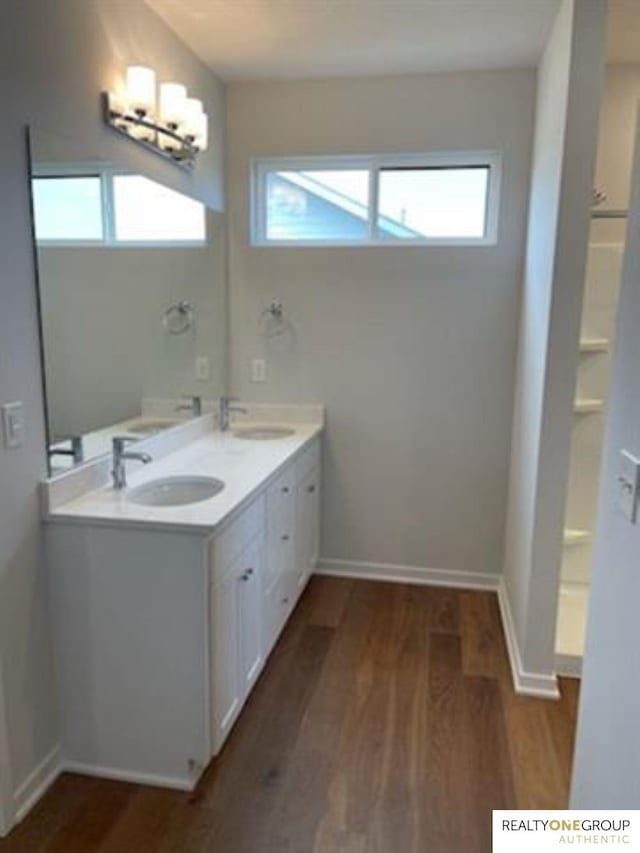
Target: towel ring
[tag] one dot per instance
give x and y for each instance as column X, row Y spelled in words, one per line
column 273, row 319
column 178, row 318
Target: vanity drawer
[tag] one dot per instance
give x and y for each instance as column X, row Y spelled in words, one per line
column 280, row 495
column 308, row 460
column 226, row 546
column 281, row 521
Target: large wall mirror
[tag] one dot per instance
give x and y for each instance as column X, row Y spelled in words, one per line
column 132, row 295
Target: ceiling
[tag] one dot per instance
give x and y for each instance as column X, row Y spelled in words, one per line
column 276, row 39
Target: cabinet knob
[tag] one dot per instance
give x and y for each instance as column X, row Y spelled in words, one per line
column 285, row 600
column 246, row 575
column 285, row 490
column 285, row 537
column 311, row 489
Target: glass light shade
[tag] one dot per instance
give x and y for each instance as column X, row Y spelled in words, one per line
column 202, row 132
column 141, row 88
column 192, row 112
column 118, row 103
column 173, row 99
column 145, row 134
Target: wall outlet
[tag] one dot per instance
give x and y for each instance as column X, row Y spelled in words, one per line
column 628, row 485
column 202, row 368
column 258, row 370
column 13, row 425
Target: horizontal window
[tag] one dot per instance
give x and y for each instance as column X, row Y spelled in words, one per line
column 435, row 199
column 112, row 208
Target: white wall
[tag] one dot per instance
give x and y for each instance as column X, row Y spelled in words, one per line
column 616, row 133
column 607, row 758
column 620, row 98
column 55, row 59
column 412, row 349
column 563, row 163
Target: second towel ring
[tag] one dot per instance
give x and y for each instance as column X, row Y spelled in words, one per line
column 178, row 318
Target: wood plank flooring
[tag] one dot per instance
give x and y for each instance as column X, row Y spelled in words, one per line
column 384, row 721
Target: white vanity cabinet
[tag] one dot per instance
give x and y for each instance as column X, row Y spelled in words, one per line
column 160, row 633
column 293, row 522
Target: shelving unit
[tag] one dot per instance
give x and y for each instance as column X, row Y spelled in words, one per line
column 594, row 345
column 576, row 537
column 586, row 406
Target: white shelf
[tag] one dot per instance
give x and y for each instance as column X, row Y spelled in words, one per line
column 576, row 537
column 585, row 406
column 594, row 344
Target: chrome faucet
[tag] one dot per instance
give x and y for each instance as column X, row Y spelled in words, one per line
column 76, row 450
column 119, row 472
column 195, row 406
column 225, row 407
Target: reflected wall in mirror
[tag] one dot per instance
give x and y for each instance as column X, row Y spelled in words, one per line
column 132, row 295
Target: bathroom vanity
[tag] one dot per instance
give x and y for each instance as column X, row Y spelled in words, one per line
column 163, row 617
column 167, row 593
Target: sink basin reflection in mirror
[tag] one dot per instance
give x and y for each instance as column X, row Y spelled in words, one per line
column 151, row 427
column 263, row 433
column 175, row 491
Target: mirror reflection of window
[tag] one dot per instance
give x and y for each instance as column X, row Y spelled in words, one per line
column 68, row 207
column 147, row 211
column 114, row 208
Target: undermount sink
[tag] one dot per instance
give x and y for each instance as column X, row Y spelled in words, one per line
column 175, row 491
column 263, row 433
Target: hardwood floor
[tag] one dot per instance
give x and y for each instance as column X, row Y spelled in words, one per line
column 384, row 721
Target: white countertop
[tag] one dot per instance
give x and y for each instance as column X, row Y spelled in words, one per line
column 244, row 466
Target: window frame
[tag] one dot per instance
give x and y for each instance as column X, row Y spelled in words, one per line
column 260, row 167
column 106, row 174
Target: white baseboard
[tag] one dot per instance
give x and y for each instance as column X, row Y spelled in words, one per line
column 45, row 774
column 36, row 784
column 407, row 574
column 118, row 775
column 538, row 684
column 569, row 666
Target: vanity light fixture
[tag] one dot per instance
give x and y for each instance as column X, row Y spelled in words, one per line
column 173, row 124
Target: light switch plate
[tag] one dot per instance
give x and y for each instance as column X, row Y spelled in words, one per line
column 13, row 425
column 628, row 485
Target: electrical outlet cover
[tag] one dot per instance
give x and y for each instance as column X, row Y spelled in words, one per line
column 258, row 370
column 202, row 368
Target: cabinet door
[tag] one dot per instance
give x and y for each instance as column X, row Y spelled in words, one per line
column 249, row 573
column 224, row 656
column 308, row 525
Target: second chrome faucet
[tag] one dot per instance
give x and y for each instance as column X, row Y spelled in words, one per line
column 225, row 407
column 119, row 472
